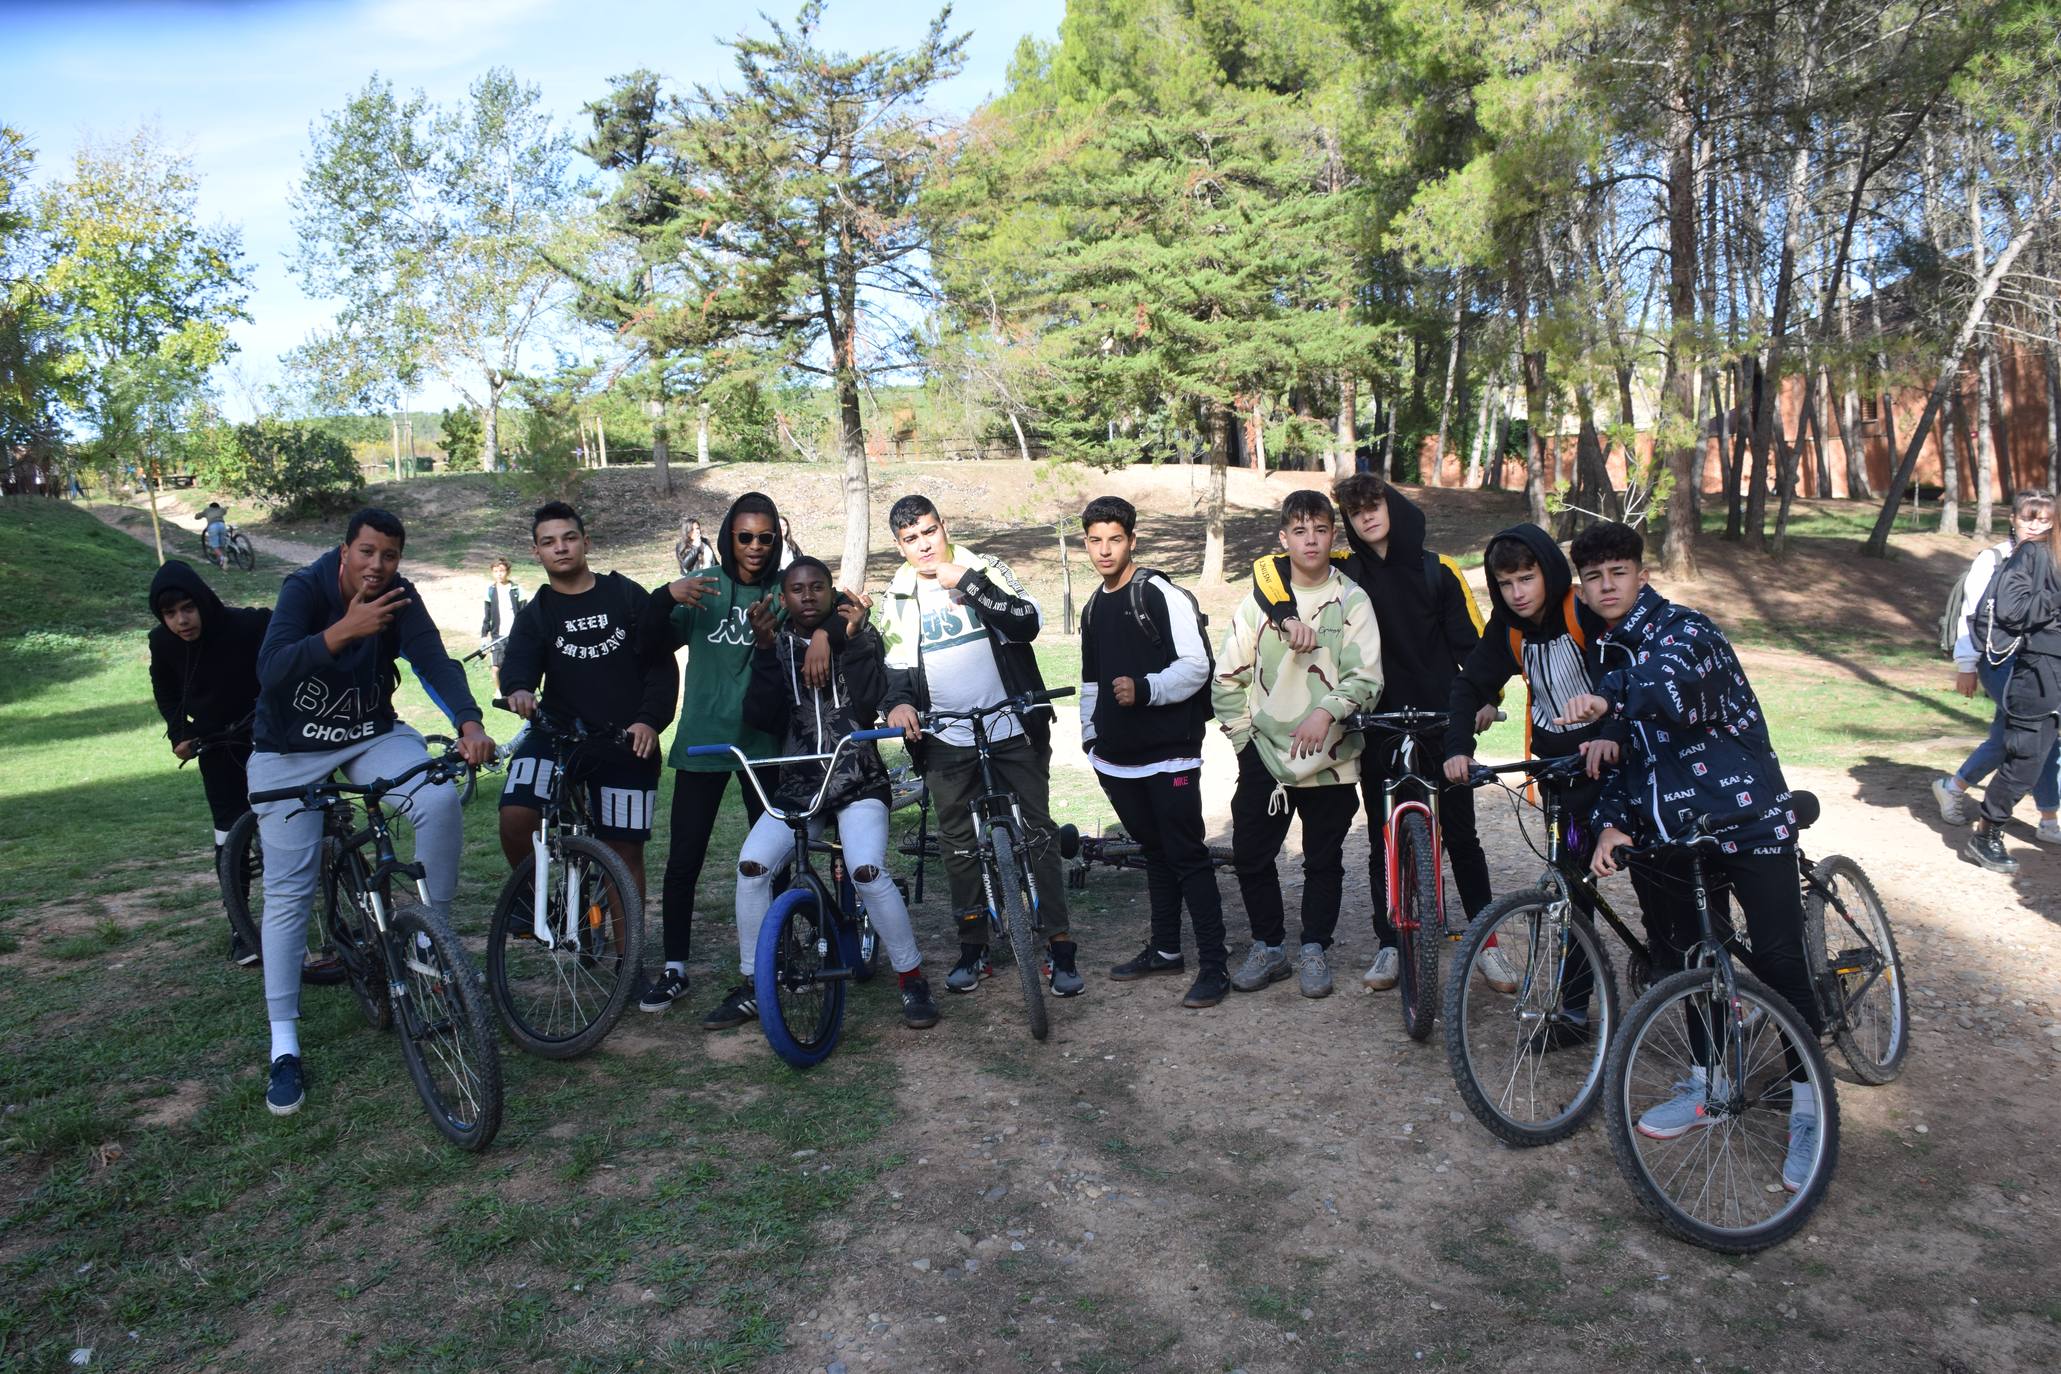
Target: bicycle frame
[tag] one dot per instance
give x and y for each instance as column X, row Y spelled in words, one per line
column 1425, row 805
column 983, row 808
column 564, row 813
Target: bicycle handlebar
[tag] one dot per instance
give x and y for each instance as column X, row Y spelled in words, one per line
column 1409, row 720
column 829, row 760
column 1023, row 701
column 313, row 793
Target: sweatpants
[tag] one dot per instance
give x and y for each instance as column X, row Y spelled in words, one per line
column 862, row 831
column 952, row 773
column 1261, row 809
column 293, row 843
column 1457, row 836
column 1163, row 813
column 697, row 797
column 2031, row 699
column 223, row 777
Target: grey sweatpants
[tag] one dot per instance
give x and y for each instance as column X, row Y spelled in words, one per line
column 293, row 844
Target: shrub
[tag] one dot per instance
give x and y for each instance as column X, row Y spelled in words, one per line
column 462, row 438
column 296, row 470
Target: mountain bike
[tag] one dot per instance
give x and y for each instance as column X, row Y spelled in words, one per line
column 404, row 962
column 236, row 551
column 815, row 937
column 1113, row 849
column 1856, row 973
column 565, row 946
column 1719, row 1185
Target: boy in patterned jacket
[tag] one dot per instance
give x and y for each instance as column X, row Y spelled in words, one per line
column 1282, row 711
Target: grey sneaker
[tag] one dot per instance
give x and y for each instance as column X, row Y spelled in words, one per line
column 1803, row 1151
column 1679, row 1115
column 1953, row 805
column 1313, row 972
column 1381, row 975
column 1263, row 964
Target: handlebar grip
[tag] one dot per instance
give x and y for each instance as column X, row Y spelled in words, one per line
column 888, row 732
column 1710, row 825
column 278, row 794
column 1050, row 694
column 706, row 751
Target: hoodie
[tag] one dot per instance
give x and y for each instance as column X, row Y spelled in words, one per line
column 811, row 720
column 1698, row 741
column 1263, row 689
column 311, row 699
column 1555, row 666
column 1429, row 622
column 204, row 687
column 719, row 646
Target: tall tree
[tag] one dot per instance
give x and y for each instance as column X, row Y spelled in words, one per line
column 31, row 347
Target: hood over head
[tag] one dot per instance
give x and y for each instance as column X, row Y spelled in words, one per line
column 1559, row 575
column 1405, row 533
column 179, row 577
column 750, row 503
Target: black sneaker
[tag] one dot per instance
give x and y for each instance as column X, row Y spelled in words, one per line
column 241, row 954
column 1148, row 962
column 1059, row 962
column 973, row 966
column 288, row 1089
column 740, row 1006
column 1986, row 847
column 668, row 988
column 919, row 1011
column 1211, row 986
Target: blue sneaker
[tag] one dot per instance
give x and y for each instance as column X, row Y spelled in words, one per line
column 1679, row 1115
column 1803, row 1150
column 288, row 1089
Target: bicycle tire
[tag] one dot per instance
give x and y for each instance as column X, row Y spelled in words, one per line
column 583, row 991
column 801, row 1013
column 468, row 785
column 1651, row 1056
column 1547, row 1089
column 1875, row 1034
column 1417, row 877
column 239, row 869
column 447, row 1035
column 1010, row 879
column 350, row 925
column 241, row 553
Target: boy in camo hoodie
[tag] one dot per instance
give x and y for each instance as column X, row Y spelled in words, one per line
column 1282, row 711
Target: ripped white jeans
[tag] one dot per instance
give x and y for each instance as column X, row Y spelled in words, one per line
column 862, row 830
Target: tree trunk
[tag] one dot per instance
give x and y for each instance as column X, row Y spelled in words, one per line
column 1221, row 419
column 1950, row 461
column 601, row 434
column 1532, row 362
column 490, row 439
column 2053, row 403
column 393, row 421
column 1453, row 360
column 661, row 451
column 150, row 482
column 1347, row 459
column 2001, row 424
column 851, row 441
column 1022, row 444
column 701, row 414
column 1820, row 451
column 1859, row 487
column 1482, row 422
column 1985, row 444
column 1685, row 459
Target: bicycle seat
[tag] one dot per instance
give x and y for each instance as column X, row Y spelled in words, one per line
column 1805, row 805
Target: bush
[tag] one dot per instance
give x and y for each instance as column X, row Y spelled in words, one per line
column 462, row 438
column 296, row 470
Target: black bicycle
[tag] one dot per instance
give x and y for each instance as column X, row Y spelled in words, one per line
column 1112, row 849
column 566, row 943
column 404, row 962
column 235, row 551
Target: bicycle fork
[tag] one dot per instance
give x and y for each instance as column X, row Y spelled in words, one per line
column 540, row 895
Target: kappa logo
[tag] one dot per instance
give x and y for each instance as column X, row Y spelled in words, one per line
column 735, row 630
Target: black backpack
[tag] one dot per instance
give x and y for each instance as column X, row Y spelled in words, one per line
column 1142, row 620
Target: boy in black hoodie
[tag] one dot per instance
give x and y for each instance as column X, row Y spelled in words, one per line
column 204, row 675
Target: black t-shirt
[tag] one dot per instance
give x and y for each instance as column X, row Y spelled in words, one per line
column 599, row 655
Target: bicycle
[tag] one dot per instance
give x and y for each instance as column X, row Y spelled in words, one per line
column 565, row 946
column 1718, row 1185
column 813, row 940
column 235, row 552
column 1113, row 849
column 404, row 963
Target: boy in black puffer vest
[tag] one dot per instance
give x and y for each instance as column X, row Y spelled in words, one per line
column 1145, row 671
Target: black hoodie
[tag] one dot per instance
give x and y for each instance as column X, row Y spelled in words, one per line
column 1555, row 667
column 206, row 686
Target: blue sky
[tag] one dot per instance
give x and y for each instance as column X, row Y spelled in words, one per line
column 237, row 85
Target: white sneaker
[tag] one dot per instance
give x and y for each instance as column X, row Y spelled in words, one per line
column 1381, row 975
column 2049, row 832
column 1953, row 803
column 1495, row 970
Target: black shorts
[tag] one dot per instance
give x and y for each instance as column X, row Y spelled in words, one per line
column 622, row 789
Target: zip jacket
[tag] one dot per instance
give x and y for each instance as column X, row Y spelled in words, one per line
column 490, row 626
column 1263, row 689
column 811, row 720
column 994, row 599
column 204, row 687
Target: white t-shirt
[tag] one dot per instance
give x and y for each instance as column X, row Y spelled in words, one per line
column 504, row 593
column 959, row 664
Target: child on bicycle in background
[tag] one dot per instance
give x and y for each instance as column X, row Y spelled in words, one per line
column 1696, row 744
column 1281, row 708
column 601, row 651
column 1145, row 671
column 810, row 717
column 204, row 676
column 957, row 630
column 214, row 533
column 1429, row 624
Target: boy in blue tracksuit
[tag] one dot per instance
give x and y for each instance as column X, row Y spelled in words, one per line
column 1697, row 744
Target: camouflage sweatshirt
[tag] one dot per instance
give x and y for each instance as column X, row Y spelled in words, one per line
column 1263, row 689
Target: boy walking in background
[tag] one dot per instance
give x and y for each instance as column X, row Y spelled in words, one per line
column 1145, row 670
column 1281, row 709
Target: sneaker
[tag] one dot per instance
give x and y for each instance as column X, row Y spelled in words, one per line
column 241, row 954
column 1953, row 803
column 1986, row 847
column 1209, row 988
column 666, row 989
column 1495, row 970
column 740, row 1005
column 1561, row 1033
column 1381, row 975
column 288, row 1089
column 919, row 1011
column 1264, row 964
column 1313, row 972
column 1803, row 1149
column 1059, row 963
column 1679, row 1115
column 1148, row 962
column 2049, row 831
column 973, row 966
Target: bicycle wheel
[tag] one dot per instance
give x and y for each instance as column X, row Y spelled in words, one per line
column 241, row 553
column 1417, row 878
column 561, row 1002
column 468, row 785
column 447, row 1038
column 1009, row 884
column 347, row 915
column 1855, row 966
column 801, row 1009
column 1528, row 1064
column 1719, row 1183
column 239, row 867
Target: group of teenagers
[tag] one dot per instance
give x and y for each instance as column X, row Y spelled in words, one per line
column 782, row 663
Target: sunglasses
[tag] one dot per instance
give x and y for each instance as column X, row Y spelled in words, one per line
column 762, row 537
